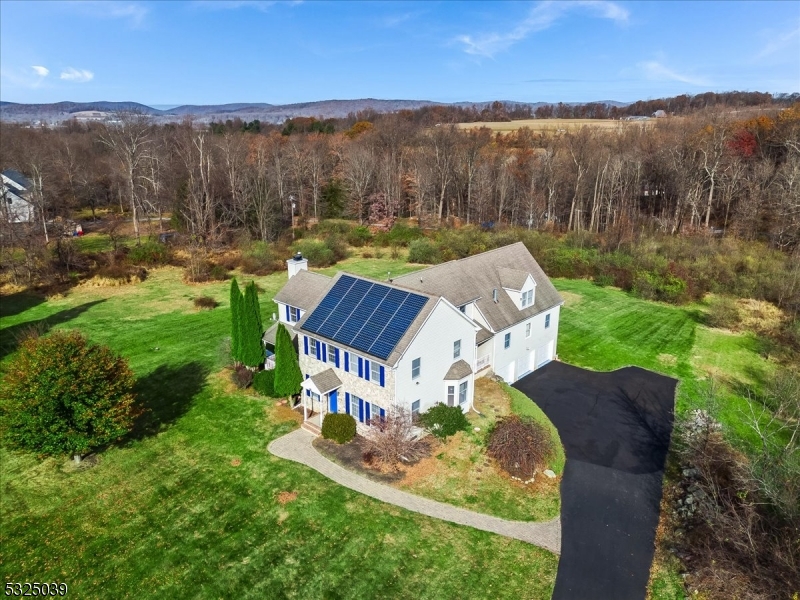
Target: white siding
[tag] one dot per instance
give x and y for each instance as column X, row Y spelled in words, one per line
column 434, row 346
column 516, row 295
column 282, row 314
column 520, row 357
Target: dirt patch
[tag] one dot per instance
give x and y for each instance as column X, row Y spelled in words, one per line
column 350, row 456
column 669, row 360
column 490, row 399
column 281, row 413
column 570, row 298
column 236, row 462
column 286, row 497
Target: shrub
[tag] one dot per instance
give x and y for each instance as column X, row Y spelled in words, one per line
column 149, row 253
column 723, row 312
column 339, row 427
column 333, row 226
column 62, row 395
column 424, row 252
column 260, row 259
column 338, row 246
column 520, row 446
column 603, row 280
column 654, row 286
column 242, row 377
column 217, row 273
column 264, row 383
column 392, row 439
column 205, row 302
column 403, row 235
column 317, row 252
column 359, row 236
column 443, row 421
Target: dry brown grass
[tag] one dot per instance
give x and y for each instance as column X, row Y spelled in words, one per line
column 286, row 497
column 555, row 125
column 760, row 316
column 570, row 298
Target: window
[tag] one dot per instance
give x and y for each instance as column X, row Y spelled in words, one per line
column 527, row 330
column 415, row 407
column 415, row 368
column 546, row 321
column 294, row 314
column 354, row 407
column 314, row 398
column 451, row 395
column 527, row 298
column 507, row 340
column 374, row 372
column 457, row 349
column 312, row 347
column 462, row 392
column 331, row 354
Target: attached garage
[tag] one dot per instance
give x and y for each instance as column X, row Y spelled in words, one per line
column 544, row 354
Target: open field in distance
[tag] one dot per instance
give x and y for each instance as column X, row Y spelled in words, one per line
column 554, row 125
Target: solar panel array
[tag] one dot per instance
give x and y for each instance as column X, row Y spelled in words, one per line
column 367, row 316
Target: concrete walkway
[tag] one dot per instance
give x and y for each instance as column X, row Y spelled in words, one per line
column 296, row 446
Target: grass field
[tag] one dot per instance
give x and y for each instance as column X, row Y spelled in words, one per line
column 190, row 505
column 554, row 125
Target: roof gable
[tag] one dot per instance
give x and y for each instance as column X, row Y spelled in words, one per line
column 303, row 290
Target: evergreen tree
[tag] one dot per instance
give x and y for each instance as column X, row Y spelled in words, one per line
column 288, row 376
column 236, row 322
column 251, row 348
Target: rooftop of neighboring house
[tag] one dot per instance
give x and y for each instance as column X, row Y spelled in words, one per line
column 475, row 278
column 17, row 178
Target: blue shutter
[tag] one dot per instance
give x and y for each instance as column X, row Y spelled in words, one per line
column 361, row 409
column 305, row 344
column 366, row 408
column 366, row 369
column 383, row 413
column 360, row 367
column 346, row 361
column 318, row 348
column 288, row 314
column 383, row 377
column 308, row 392
column 347, row 402
column 336, row 356
column 324, row 353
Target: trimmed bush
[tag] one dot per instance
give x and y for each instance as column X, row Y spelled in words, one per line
column 62, row 395
column 339, row 427
column 424, row 252
column 149, row 253
column 443, row 421
column 521, row 446
column 242, row 377
column 264, row 383
column 205, row 302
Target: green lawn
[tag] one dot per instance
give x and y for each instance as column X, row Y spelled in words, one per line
column 167, row 514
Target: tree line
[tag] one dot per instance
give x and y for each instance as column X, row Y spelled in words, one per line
column 715, row 171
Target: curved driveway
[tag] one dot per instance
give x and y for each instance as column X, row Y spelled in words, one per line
column 616, row 429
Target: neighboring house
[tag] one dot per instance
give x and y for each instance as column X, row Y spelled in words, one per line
column 15, row 191
column 369, row 346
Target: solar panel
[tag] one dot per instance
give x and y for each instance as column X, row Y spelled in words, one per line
column 370, row 317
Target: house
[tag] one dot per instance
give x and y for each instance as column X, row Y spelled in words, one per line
column 15, row 192
column 368, row 346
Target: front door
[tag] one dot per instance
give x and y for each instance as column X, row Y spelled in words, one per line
column 332, row 401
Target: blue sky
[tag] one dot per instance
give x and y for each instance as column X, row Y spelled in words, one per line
column 169, row 53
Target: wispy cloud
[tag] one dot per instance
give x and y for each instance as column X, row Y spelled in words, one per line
column 133, row 12
column 41, row 71
column 260, row 5
column 77, row 75
column 778, row 43
column 28, row 77
column 656, row 71
column 541, row 17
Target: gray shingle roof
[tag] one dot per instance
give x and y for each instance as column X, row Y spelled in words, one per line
column 269, row 334
column 326, row 381
column 407, row 337
column 303, row 290
column 512, row 279
column 461, row 281
column 17, row 178
column 458, row 370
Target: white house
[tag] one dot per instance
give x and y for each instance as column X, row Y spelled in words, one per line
column 15, row 191
column 368, row 346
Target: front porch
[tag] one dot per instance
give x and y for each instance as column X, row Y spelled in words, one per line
column 320, row 396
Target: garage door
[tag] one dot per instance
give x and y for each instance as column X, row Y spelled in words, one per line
column 544, row 354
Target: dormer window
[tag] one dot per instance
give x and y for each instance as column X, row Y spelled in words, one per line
column 527, row 298
column 294, row 314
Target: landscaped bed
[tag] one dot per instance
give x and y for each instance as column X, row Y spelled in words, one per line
column 457, row 470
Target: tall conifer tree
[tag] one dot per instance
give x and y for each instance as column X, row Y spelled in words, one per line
column 236, row 322
column 251, row 349
column 288, row 376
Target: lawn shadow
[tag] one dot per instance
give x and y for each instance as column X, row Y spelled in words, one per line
column 13, row 304
column 166, row 394
column 10, row 337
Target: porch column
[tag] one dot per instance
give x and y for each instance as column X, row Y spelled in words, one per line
column 305, row 408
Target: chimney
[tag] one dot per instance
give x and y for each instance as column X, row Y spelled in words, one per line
column 296, row 264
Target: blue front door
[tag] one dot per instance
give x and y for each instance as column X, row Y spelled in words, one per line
column 332, row 402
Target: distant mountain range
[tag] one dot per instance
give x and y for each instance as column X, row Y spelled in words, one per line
column 269, row 113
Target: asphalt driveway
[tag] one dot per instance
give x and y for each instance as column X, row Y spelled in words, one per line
column 616, row 429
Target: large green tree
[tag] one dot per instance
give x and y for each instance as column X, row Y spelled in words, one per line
column 288, row 376
column 236, row 321
column 63, row 395
column 251, row 348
